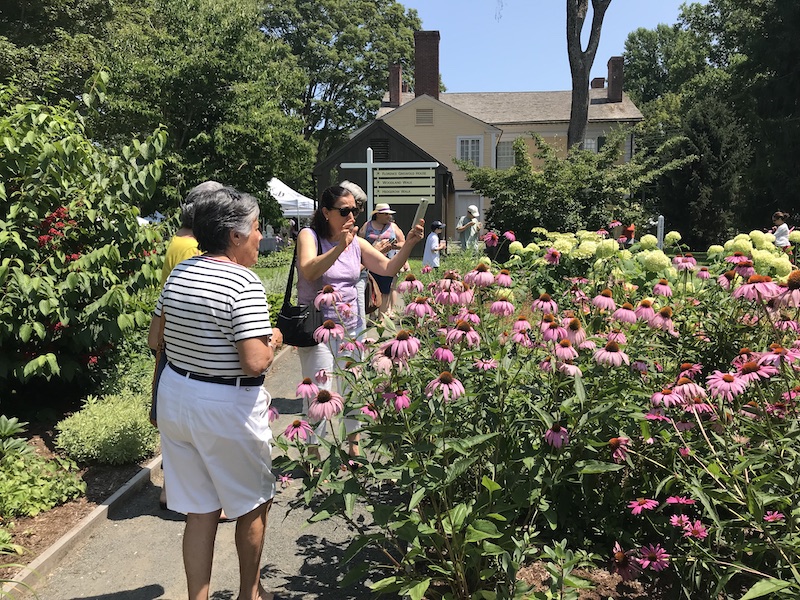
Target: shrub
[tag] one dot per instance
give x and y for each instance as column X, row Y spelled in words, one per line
column 29, row 483
column 73, row 253
column 114, row 429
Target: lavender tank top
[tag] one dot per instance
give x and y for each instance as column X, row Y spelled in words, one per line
column 343, row 276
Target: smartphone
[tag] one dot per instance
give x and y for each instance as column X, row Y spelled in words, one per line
column 421, row 210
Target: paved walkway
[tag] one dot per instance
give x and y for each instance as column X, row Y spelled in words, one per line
column 136, row 553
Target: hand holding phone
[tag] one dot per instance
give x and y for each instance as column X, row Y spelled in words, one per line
column 421, row 210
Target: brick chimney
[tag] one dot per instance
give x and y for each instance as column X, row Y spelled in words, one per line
column 598, row 83
column 426, row 63
column 395, row 84
column 615, row 79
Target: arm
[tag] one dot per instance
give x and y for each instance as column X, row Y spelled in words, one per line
column 152, row 335
column 462, row 225
column 401, row 237
column 378, row 263
column 313, row 266
column 255, row 354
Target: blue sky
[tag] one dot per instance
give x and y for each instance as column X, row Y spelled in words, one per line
column 522, row 45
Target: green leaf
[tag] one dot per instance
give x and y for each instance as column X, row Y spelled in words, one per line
column 490, row 485
column 39, row 329
column 482, row 530
column 25, row 332
column 418, row 495
column 764, row 587
column 416, row 590
column 591, row 467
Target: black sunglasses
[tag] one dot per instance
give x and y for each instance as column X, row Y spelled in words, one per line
column 346, row 210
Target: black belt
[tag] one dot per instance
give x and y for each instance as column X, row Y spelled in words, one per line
column 241, row 381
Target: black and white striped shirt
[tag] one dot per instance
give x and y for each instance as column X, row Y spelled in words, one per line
column 210, row 305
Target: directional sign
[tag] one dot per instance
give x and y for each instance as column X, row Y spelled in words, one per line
column 404, row 186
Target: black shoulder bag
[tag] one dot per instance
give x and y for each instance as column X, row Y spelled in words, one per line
column 298, row 323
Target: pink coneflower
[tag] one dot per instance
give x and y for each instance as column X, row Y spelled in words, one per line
column 758, row 287
column 621, row 240
column 546, row 365
column 667, row 397
column 490, row 238
column 447, row 297
column 465, row 314
column 451, row 387
column 321, row 377
column 663, row 320
column 791, row 296
column 569, row 369
column 545, row 304
column 745, row 269
column 625, row 313
column 502, row 308
column 344, row 309
column 410, row 284
column 725, row 385
column 349, row 346
column 419, row 308
column 564, row 351
column 552, row 256
column 688, row 389
column 679, row 521
column 752, row 371
column 587, row 345
column 615, row 335
column 653, row 557
column 611, row 355
column 401, row 400
column 426, row 269
column 522, row 338
column 773, row 515
column 521, row 324
column 463, row 332
column 443, row 354
column 403, row 347
column 745, row 355
column 298, row 429
column 624, row 563
column 703, row 273
column 726, row 280
column 481, row 276
column 547, row 320
column 656, row 414
column 645, row 312
column 306, row 389
column 325, row 405
column 699, row 406
column 684, row 451
column 662, row 288
column 619, row 448
column 354, row 368
column 556, row 436
column 690, row 370
column 640, row 504
column 614, row 224
column 575, row 332
column 736, row 258
column 328, row 330
column 509, row 235
column 485, row 364
column 777, row 355
column 503, row 278
column 680, row 500
column 553, row 332
column 286, row 480
column 604, row 301
column 272, row 414
column 370, row 411
column 695, row 530
column 467, row 296
column 327, row 296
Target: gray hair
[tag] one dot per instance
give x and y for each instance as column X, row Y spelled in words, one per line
column 219, row 212
column 187, row 206
column 358, row 194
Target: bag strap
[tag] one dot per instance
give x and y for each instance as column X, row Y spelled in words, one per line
column 287, row 296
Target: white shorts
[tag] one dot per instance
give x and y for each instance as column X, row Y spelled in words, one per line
column 216, row 444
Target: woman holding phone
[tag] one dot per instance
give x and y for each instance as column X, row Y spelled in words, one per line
column 385, row 236
column 330, row 253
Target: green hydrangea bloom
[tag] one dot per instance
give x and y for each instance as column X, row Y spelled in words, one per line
column 758, row 238
column 794, row 236
column 782, row 265
column 532, row 248
column 715, row 250
column 673, row 237
column 539, row 231
column 762, row 260
column 485, row 260
column 654, row 260
column 584, row 250
column 607, row 248
column 742, row 244
column 648, row 241
column 564, row 244
column 625, row 254
column 728, row 247
column 515, row 247
column 504, row 294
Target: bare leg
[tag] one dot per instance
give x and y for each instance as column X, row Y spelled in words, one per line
column 353, row 449
column 198, row 552
column 250, row 530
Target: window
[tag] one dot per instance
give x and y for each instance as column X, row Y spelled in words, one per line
column 505, row 155
column 470, row 149
column 424, row 116
column 601, row 141
column 590, row 144
column 380, row 149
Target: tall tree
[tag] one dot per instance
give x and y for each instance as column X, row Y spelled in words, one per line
column 580, row 61
column 345, row 48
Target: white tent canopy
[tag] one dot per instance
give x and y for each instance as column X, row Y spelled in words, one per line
column 293, row 204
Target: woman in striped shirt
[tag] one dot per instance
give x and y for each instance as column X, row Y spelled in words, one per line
column 212, row 408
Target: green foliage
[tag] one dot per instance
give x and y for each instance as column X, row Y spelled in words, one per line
column 344, row 48
column 114, row 430
column 72, row 252
column 583, row 190
column 273, row 260
column 29, row 483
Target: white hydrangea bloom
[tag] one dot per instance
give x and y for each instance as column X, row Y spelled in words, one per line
column 648, row 241
column 607, row 248
column 672, row 237
column 515, row 247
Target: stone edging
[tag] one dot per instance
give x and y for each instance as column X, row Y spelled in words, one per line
column 46, row 562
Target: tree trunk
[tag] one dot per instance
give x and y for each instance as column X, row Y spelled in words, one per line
column 580, row 62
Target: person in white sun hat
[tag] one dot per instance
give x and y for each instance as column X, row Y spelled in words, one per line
column 468, row 228
column 382, row 232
